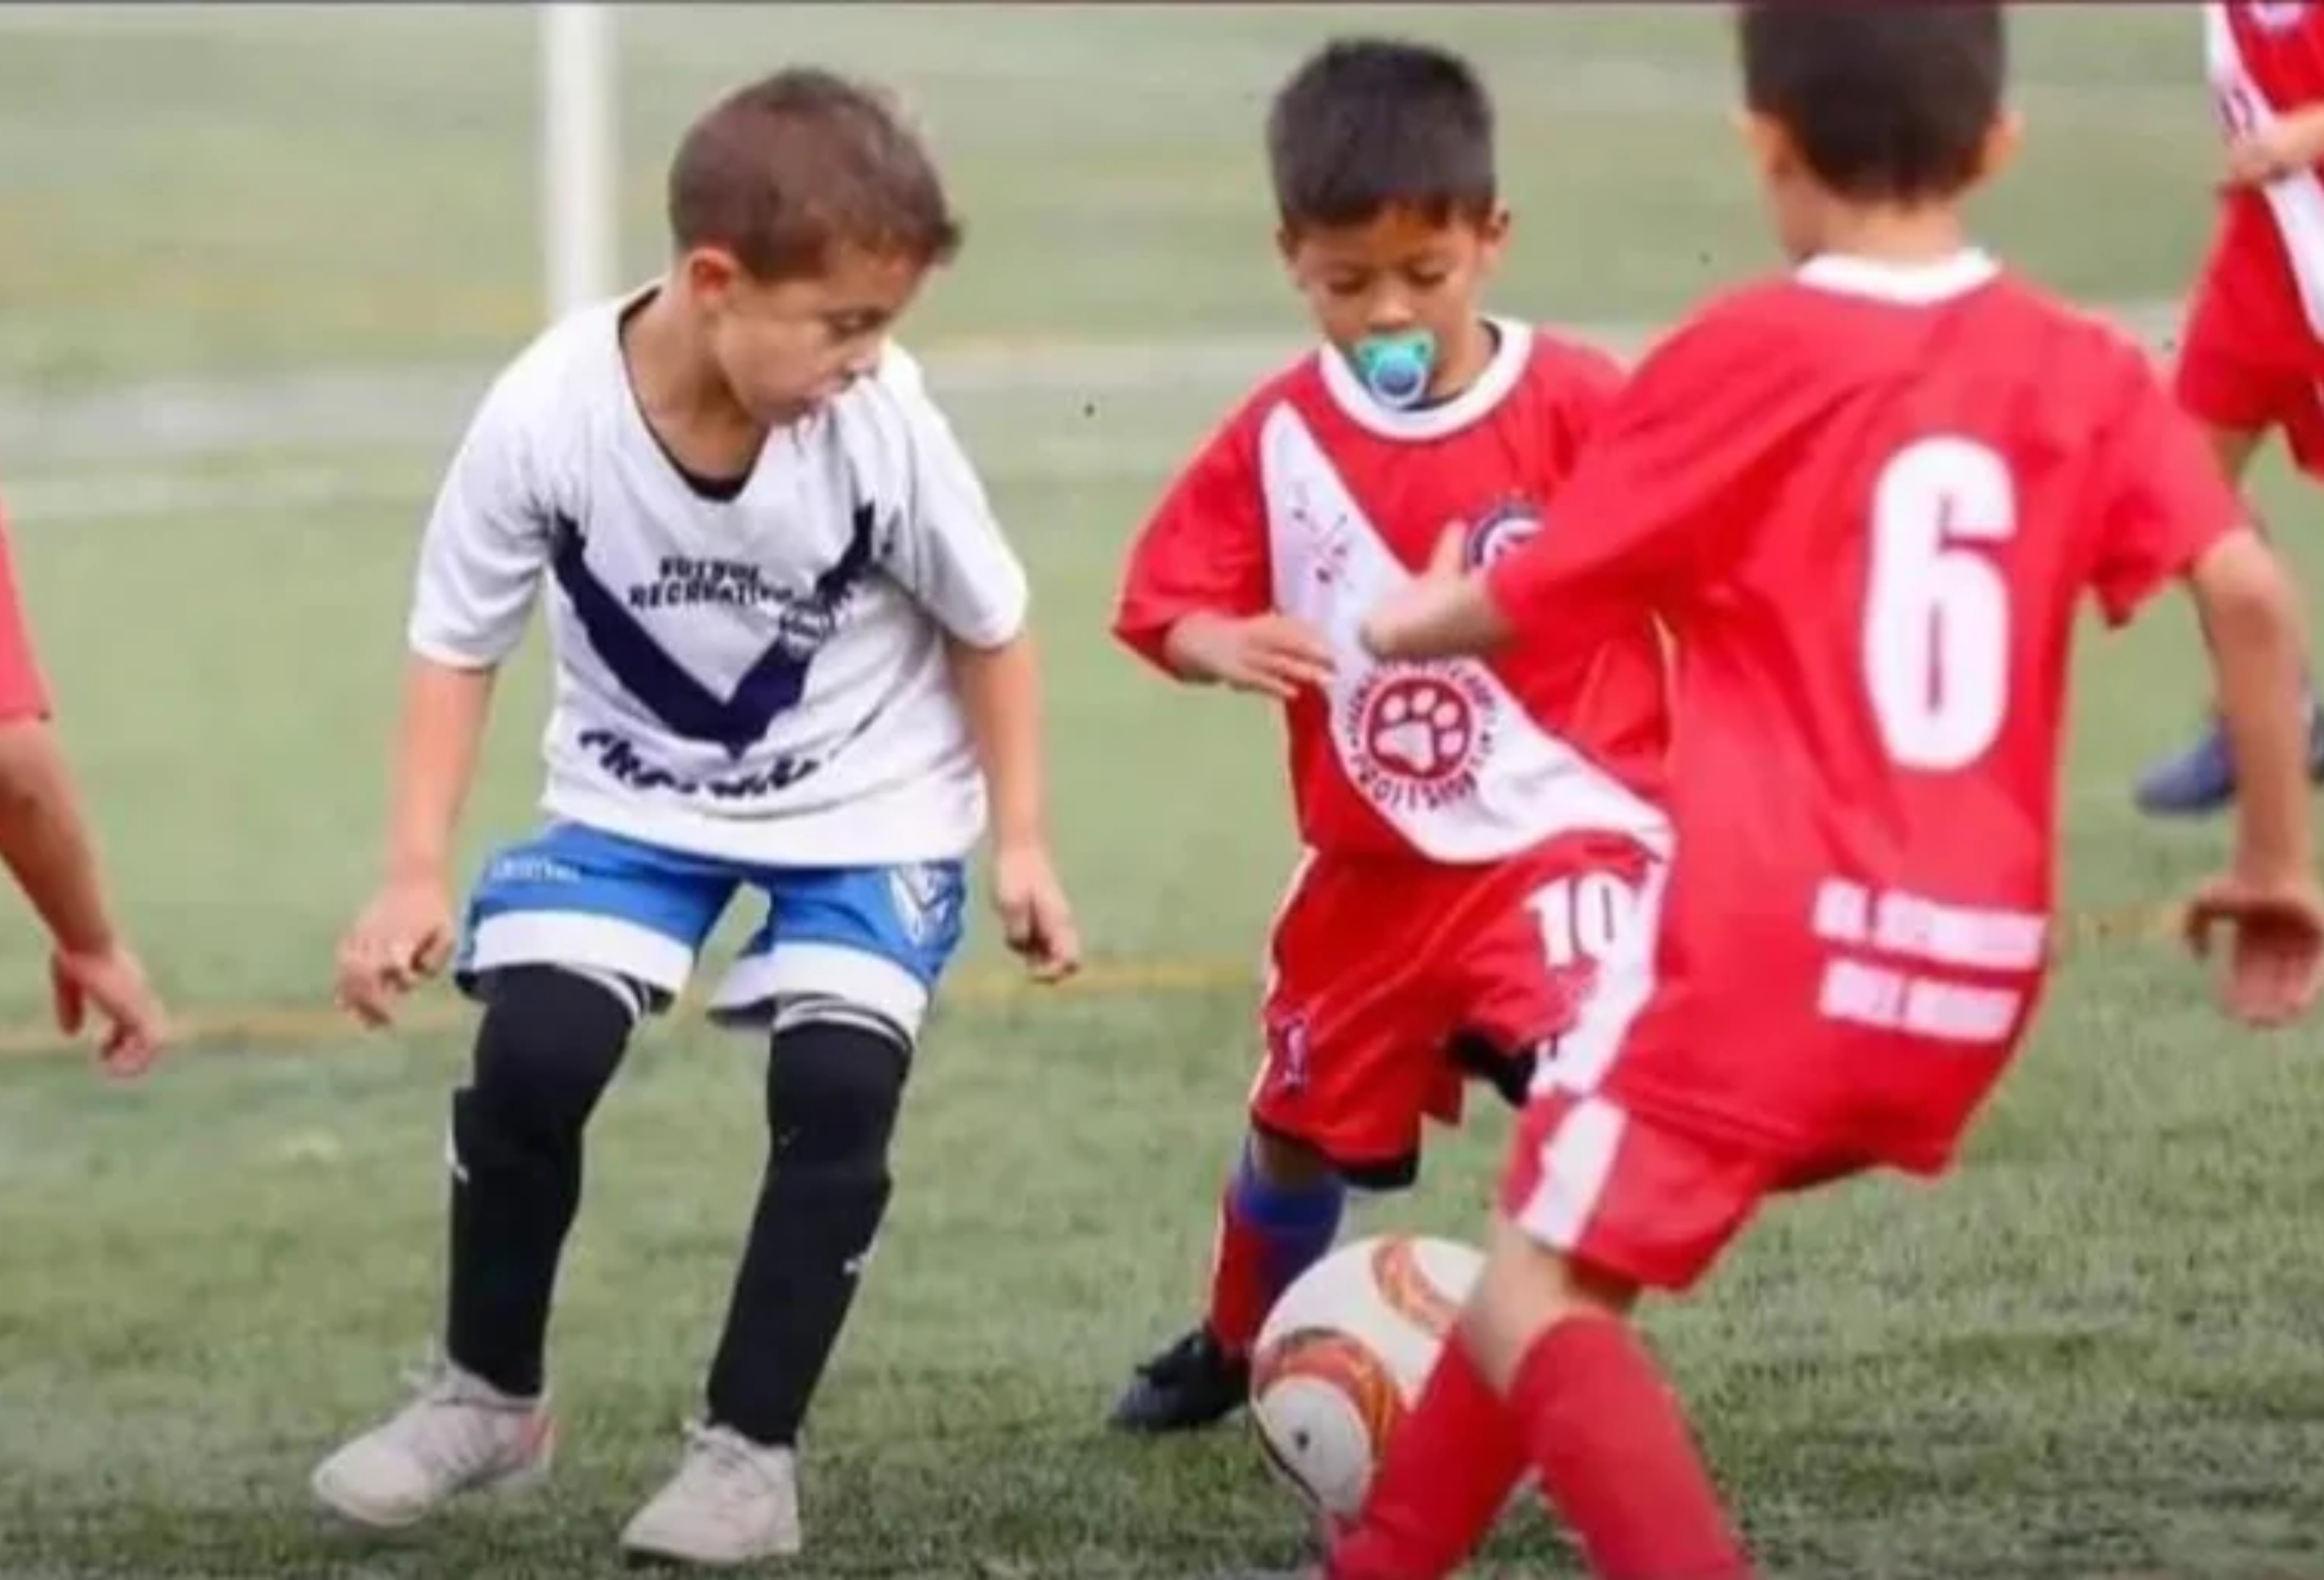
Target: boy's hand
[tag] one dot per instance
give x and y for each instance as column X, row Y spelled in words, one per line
column 1035, row 916
column 1442, row 613
column 403, row 935
column 2284, row 147
column 112, row 982
column 1274, row 655
column 2277, row 953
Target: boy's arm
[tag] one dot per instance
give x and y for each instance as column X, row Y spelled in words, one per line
column 433, row 762
column 480, row 566
column 2166, row 513
column 2169, row 515
column 1198, row 579
column 1000, row 694
column 2286, row 146
column 1640, row 520
column 45, row 843
column 954, row 559
column 480, row 562
column 44, row 840
column 2252, row 622
column 2269, row 896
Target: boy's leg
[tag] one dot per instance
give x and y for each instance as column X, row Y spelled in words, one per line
column 1355, row 1030
column 842, row 975
column 1545, row 1370
column 548, row 1046
column 570, row 937
column 1536, row 930
column 1542, row 1369
column 1277, row 1215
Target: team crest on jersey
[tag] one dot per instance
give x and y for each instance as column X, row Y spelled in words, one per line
column 1419, row 735
column 1503, row 528
column 925, row 896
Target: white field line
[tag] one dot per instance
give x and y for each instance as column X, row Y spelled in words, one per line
column 127, row 453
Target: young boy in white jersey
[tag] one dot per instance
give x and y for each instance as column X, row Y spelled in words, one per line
column 792, row 657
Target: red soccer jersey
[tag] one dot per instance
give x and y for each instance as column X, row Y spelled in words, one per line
column 1868, row 502
column 21, row 695
column 1314, row 500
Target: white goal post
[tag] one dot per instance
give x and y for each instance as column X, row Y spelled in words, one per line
column 578, row 160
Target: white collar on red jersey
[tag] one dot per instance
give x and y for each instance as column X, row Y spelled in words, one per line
column 1470, row 406
column 1904, row 284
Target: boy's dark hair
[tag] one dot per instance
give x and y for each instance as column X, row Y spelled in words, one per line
column 786, row 171
column 1369, row 125
column 1887, row 100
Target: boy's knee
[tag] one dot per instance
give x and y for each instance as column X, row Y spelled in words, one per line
column 1527, row 1287
column 834, row 1089
column 1286, row 1163
column 548, row 1049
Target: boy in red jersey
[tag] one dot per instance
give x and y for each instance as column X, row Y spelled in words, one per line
column 1868, row 499
column 1474, row 831
column 2253, row 357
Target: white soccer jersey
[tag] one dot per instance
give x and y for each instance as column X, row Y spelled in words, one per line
column 761, row 679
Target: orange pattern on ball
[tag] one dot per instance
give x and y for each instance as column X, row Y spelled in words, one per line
column 1408, row 1289
column 1334, row 1358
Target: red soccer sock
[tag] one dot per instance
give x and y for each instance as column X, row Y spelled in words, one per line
column 1269, row 1234
column 1616, row 1459
column 1449, row 1472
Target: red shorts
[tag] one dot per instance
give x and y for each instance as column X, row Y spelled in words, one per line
column 1655, row 1203
column 2250, row 361
column 1382, row 969
column 1677, row 1104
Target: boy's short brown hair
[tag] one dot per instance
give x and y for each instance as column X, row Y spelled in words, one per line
column 1887, row 100
column 785, row 172
column 1368, row 125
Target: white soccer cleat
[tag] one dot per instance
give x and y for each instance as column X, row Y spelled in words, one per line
column 731, row 1502
column 459, row 1434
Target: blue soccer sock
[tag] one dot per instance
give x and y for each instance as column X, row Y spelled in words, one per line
column 1269, row 1234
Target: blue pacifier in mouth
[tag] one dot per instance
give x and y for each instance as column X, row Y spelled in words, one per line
column 1395, row 367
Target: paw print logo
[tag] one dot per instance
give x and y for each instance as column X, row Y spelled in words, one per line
column 1420, row 728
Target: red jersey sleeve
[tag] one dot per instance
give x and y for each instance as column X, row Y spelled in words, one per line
column 1648, row 506
column 1589, row 384
column 1204, row 549
column 2163, row 499
column 21, row 694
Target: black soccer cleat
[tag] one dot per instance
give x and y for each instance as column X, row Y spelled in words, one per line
column 1191, row 1385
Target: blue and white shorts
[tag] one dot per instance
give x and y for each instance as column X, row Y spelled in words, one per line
column 863, row 939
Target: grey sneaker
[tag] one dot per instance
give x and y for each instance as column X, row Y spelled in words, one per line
column 459, row 1434
column 732, row 1501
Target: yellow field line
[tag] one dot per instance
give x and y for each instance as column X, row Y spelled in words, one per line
column 250, row 1025
column 257, row 1024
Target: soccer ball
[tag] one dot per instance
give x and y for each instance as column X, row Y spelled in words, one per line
column 1342, row 1357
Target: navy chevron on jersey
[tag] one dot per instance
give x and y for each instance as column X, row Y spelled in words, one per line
column 761, row 677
